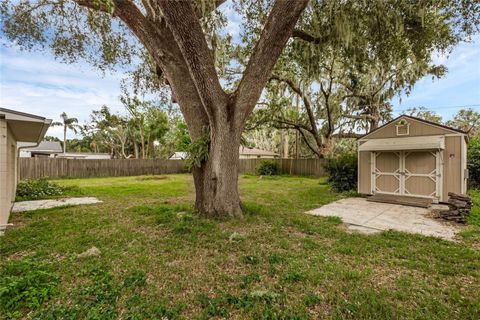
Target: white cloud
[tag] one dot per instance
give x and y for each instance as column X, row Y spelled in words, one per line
column 461, row 85
column 37, row 83
column 234, row 21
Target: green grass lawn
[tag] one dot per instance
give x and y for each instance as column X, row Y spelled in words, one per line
column 158, row 261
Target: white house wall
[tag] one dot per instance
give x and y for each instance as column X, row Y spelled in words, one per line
column 8, row 172
column 4, row 189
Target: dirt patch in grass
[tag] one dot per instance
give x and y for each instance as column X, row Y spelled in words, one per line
column 20, row 255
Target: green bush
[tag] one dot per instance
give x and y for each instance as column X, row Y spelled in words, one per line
column 473, row 162
column 197, row 151
column 342, row 172
column 268, row 168
column 39, row 189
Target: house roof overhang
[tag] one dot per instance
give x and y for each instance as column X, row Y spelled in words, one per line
column 406, row 143
column 24, row 126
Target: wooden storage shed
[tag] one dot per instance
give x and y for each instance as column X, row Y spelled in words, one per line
column 413, row 157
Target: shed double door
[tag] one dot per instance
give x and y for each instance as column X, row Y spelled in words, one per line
column 408, row 173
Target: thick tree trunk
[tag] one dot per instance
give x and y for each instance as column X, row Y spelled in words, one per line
column 123, row 151
column 64, row 140
column 135, row 148
column 216, row 181
column 143, row 144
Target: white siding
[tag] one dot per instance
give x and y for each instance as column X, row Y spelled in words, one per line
column 4, row 189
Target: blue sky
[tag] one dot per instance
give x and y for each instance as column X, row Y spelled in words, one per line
column 35, row 82
column 461, row 85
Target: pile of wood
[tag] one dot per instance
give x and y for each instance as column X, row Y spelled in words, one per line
column 459, row 208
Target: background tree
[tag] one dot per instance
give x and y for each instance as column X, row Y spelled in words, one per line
column 346, row 73
column 147, row 124
column 156, row 127
column 425, row 114
column 118, row 133
column 467, row 120
column 51, row 138
column 109, row 131
column 67, row 124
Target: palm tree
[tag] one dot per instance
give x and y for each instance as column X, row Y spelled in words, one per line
column 68, row 124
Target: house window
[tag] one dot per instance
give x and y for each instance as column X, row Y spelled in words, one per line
column 403, row 128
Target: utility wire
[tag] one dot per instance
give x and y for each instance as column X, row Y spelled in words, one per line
column 435, row 108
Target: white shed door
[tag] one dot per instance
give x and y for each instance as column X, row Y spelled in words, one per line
column 387, row 174
column 409, row 173
column 420, row 173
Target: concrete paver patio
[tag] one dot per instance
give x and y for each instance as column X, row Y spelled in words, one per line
column 363, row 216
column 52, row 203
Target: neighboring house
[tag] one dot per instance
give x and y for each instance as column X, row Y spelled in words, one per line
column 53, row 149
column 254, row 153
column 85, row 155
column 46, row 149
column 413, row 157
column 15, row 127
column 179, row 155
column 244, row 153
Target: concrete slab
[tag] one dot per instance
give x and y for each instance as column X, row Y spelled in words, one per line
column 52, row 203
column 361, row 229
column 367, row 217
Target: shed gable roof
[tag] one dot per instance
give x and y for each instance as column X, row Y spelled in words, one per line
column 441, row 127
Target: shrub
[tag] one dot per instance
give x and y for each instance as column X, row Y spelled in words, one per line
column 197, row 151
column 342, row 172
column 40, row 188
column 473, row 162
column 268, row 168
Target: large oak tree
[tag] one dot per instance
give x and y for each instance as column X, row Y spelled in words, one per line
column 171, row 32
column 352, row 57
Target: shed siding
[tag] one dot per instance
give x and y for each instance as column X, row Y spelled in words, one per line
column 364, row 175
column 452, row 165
column 416, row 128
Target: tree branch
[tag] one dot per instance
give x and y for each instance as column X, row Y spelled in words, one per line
column 294, row 125
column 327, row 96
column 306, row 102
column 302, row 133
column 294, row 87
column 200, row 9
column 183, row 23
column 317, row 152
column 161, row 45
column 277, row 31
column 308, row 37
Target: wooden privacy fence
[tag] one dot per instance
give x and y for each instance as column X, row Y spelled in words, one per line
column 301, row 167
column 34, row 168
